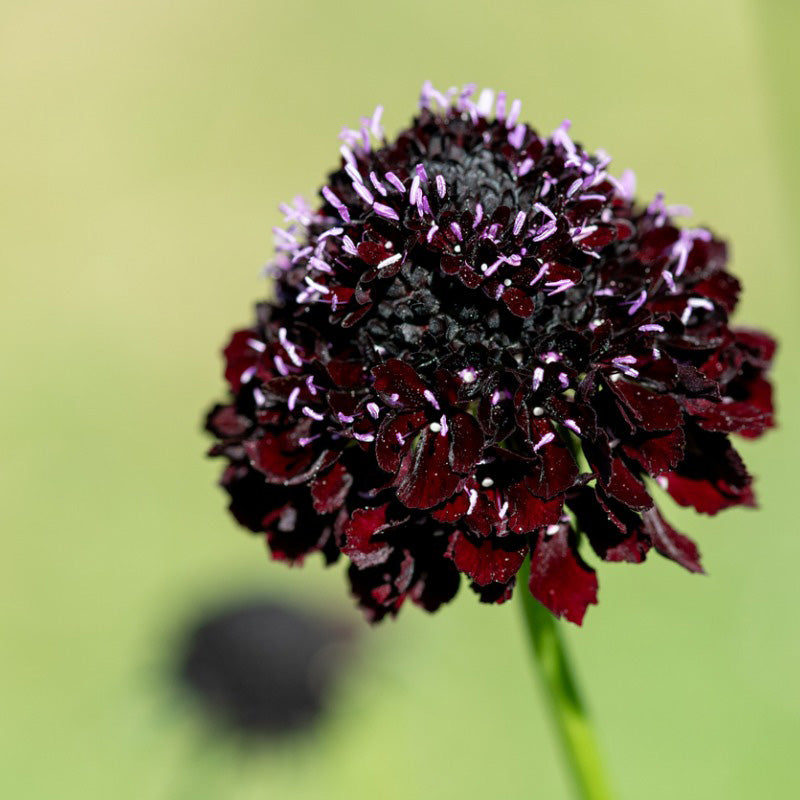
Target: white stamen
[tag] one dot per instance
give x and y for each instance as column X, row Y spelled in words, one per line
column 389, row 261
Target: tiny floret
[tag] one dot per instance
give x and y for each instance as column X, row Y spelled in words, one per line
column 484, row 349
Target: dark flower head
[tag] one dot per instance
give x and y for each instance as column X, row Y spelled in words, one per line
column 483, row 348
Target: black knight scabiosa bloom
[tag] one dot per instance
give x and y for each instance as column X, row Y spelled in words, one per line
column 482, row 348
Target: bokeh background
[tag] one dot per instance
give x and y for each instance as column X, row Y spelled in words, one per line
column 145, row 148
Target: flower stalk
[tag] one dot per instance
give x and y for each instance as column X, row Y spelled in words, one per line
column 580, row 747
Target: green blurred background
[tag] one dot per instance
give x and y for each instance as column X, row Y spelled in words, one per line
column 146, row 146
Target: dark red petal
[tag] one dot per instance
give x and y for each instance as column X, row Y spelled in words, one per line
column 470, row 278
column 359, row 544
column 282, row 387
column 553, row 469
column 527, row 512
column 605, row 234
column 706, row 258
column 398, row 383
column 626, row 487
column 760, row 345
column 712, row 476
column 394, row 438
column 437, row 583
column 653, row 244
column 670, row 543
column 279, row 455
column 372, row 253
column 496, row 593
column 560, row 579
column 614, row 531
column 485, row 517
column 727, row 417
column 467, row 442
column 490, row 560
column 453, row 509
column 653, row 412
column 624, row 229
column 225, row 423
column 328, row 491
column 556, row 472
column 346, row 374
column 758, row 393
column 518, row 302
column 252, row 498
column 706, row 496
column 426, row 477
column 722, row 288
column 240, row 357
column 292, row 542
column 658, row 454
column 354, row 316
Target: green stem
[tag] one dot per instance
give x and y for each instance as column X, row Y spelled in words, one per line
column 569, row 713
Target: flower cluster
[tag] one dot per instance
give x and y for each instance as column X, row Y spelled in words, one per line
column 482, row 349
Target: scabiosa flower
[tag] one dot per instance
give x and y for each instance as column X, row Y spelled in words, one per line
column 483, row 348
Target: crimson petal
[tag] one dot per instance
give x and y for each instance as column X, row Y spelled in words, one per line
column 653, row 412
column 657, row 454
column 528, row 512
column 359, row 531
column 490, row 560
column 398, row 382
column 613, row 530
column 670, row 543
column 394, row 438
column 560, row 580
column 426, row 477
column 328, row 491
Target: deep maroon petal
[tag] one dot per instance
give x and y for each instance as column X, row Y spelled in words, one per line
column 706, row 496
column 395, row 437
column 226, row 423
column 453, row 509
column 291, row 539
column 359, row 532
column 484, row 516
column 658, row 453
column 553, row 469
column 518, row 302
column 466, row 443
column 488, row 560
column 496, row 593
column 728, row 417
column 399, row 383
column 711, row 477
column 280, row 457
column 241, row 357
column 624, row 486
column 722, row 288
column 560, row 579
column 346, row 374
column 652, row 411
column 670, row 543
column 436, row 584
column 426, row 477
column 614, row 531
column 528, row 512
column 330, row 489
